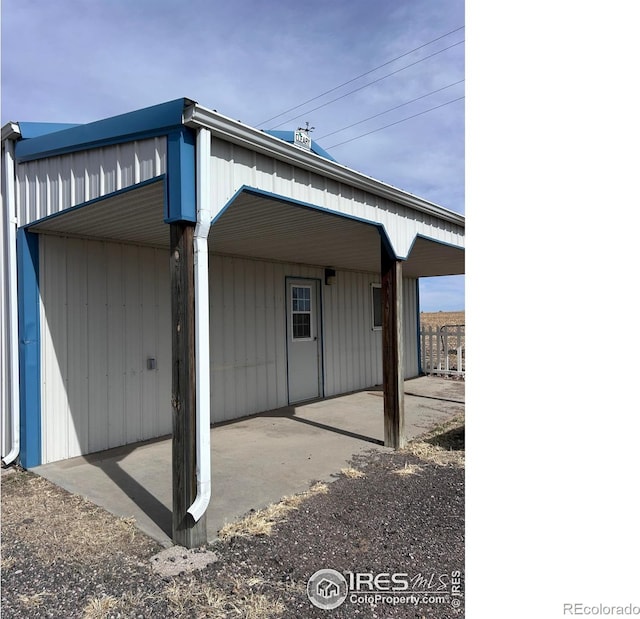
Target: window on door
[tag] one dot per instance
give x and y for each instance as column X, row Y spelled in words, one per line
column 301, row 312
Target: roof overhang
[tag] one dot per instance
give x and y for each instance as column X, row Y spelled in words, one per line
column 252, row 226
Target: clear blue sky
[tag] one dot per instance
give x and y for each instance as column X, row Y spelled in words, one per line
column 81, row 60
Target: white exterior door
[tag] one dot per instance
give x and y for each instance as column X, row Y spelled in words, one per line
column 303, row 340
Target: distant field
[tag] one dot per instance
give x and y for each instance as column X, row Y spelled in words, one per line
column 439, row 319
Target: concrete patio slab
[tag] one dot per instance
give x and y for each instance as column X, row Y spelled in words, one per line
column 255, row 460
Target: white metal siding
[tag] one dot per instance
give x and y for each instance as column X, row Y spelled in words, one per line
column 234, row 166
column 48, row 186
column 104, row 312
column 248, row 334
column 106, row 308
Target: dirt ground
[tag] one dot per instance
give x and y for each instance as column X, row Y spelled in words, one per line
column 393, row 513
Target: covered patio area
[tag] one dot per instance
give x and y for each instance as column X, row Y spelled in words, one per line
column 255, row 460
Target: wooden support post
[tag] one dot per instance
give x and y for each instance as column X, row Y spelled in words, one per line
column 186, row 532
column 392, row 350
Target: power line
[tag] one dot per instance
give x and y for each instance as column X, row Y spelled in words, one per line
column 367, row 85
column 395, row 123
column 264, row 122
column 433, row 92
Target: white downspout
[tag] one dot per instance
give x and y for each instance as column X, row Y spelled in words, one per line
column 201, row 283
column 12, row 286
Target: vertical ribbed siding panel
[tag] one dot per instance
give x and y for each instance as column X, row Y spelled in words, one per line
column 105, row 309
column 98, row 337
column 55, row 409
column 216, row 336
column 226, row 407
column 50, row 185
column 280, row 330
column 240, row 303
column 253, row 400
column 163, row 389
column 149, row 349
column 78, row 355
column 258, row 334
column 46, row 346
column 132, row 343
column 270, row 337
column 116, row 345
column 328, row 335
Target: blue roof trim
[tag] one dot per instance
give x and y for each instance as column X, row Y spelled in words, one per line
column 181, row 176
column 35, row 130
column 148, row 122
column 287, row 136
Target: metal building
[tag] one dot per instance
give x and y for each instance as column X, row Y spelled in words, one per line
column 295, row 263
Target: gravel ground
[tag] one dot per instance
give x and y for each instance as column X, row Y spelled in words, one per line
column 392, row 513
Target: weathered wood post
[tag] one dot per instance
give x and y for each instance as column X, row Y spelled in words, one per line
column 186, row 532
column 392, row 349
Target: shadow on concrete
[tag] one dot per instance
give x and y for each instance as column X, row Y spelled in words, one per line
column 433, row 397
column 289, row 412
column 144, row 500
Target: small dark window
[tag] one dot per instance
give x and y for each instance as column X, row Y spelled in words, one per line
column 376, row 307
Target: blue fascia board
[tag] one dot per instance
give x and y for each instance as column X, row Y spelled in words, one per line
column 148, row 122
column 287, row 136
column 29, row 348
column 35, row 130
column 180, row 204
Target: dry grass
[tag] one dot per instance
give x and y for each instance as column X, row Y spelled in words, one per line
column 444, row 445
column 100, row 607
column 258, row 606
column 58, row 525
column 107, row 606
column 33, row 601
column 192, row 598
column 408, row 469
column 352, row 473
column 439, row 319
column 262, row 522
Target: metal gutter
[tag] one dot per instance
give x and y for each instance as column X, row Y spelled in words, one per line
column 14, row 373
column 10, row 131
column 259, row 141
column 201, row 283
